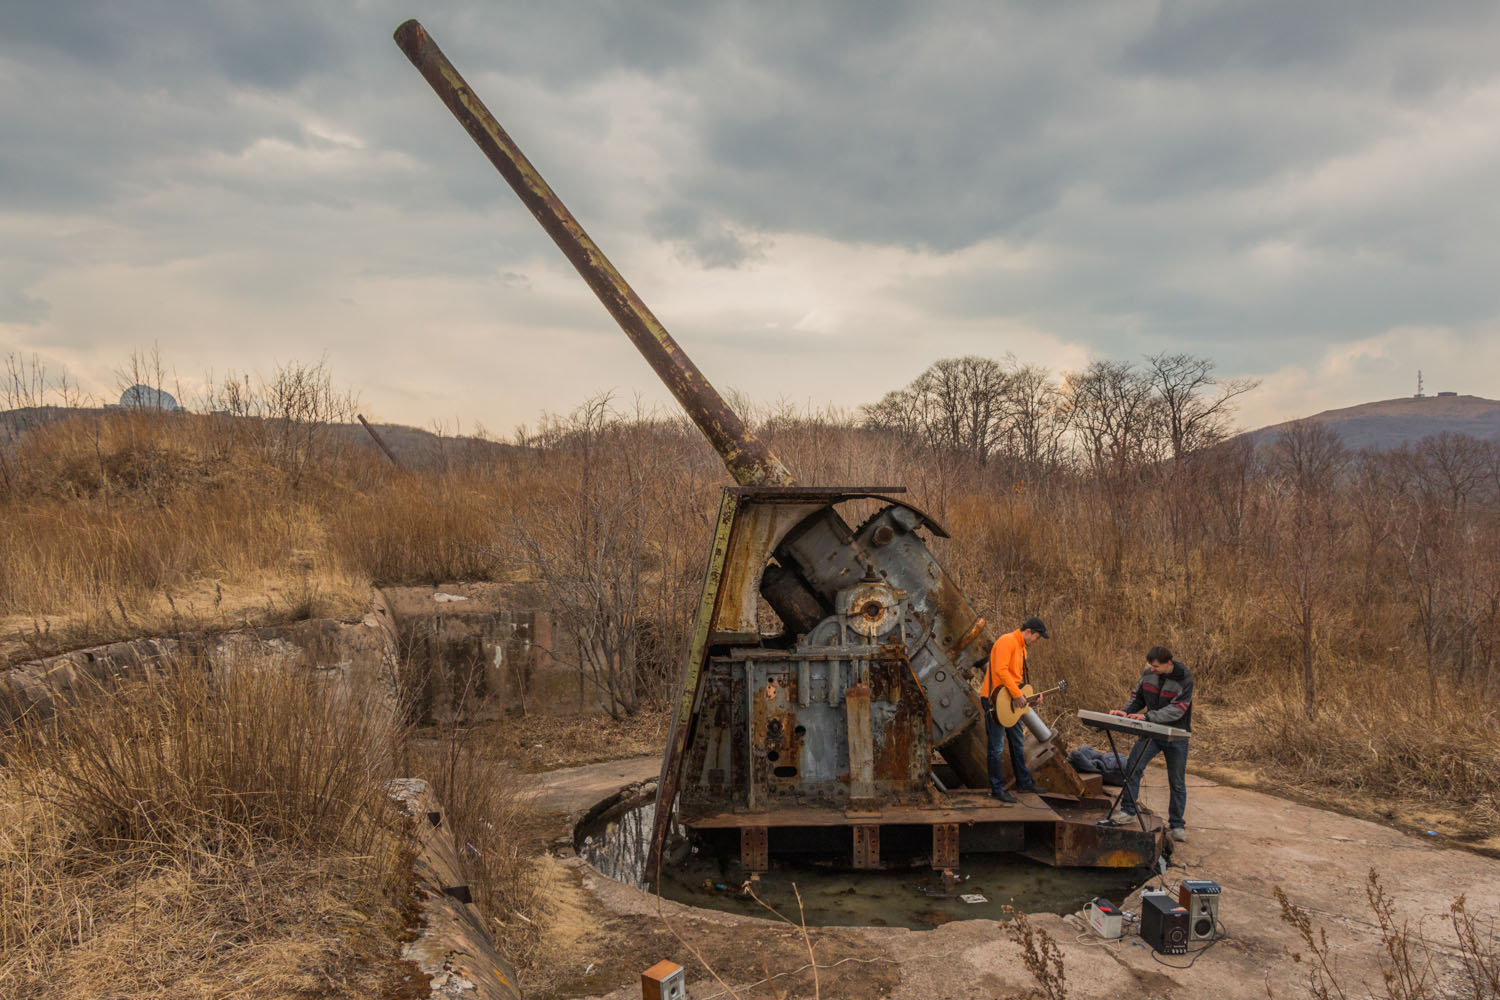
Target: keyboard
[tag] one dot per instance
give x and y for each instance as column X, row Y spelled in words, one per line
column 1135, row 727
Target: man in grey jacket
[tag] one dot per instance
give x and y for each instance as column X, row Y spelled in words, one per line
column 1164, row 696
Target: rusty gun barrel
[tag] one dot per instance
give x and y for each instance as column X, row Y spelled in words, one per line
column 747, row 458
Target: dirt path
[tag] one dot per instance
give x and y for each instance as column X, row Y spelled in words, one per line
column 1246, row 841
column 573, row 789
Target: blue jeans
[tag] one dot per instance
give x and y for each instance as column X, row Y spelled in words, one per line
column 997, row 736
column 1175, row 753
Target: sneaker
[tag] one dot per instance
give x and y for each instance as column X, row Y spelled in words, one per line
column 1179, row 834
column 1120, row 817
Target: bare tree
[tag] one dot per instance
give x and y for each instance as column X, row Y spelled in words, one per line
column 599, row 530
column 1195, row 405
column 1113, row 415
column 1036, row 417
column 957, row 405
column 899, row 412
column 1306, row 465
column 1115, row 422
column 1440, row 526
column 1193, row 410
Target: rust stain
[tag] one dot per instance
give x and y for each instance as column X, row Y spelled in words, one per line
column 969, row 636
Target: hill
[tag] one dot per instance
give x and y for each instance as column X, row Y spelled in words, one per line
column 416, row 449
column 1390, row 423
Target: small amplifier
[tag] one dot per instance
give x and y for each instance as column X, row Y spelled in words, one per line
column 1201, row 900
column 664, row 981
column 1104, row 918
column 1164, row 924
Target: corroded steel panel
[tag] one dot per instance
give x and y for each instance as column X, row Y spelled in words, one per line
column 754, row 849
column 979, row 807
column 861, row 747
column 1049, row 767
column 689, row 693
column 758, row 531
column 867, row 846
column 1089, row 845
column 945, row 846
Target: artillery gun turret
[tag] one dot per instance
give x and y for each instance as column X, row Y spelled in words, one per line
column 823, row 738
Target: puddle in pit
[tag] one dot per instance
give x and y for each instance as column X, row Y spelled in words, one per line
column 831, row 897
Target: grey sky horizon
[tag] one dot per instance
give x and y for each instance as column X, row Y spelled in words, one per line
column 817, row 200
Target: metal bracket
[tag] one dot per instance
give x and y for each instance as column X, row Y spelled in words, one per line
column 754, row 850
column 867, row 846
column 945, row 846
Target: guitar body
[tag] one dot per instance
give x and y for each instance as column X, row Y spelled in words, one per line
column 1007, row 716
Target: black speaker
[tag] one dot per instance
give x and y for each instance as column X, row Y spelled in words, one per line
column 1164, row 924
column 1201, row 900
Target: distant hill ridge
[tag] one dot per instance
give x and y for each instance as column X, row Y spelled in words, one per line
column 1390, row 423
column 413, row 447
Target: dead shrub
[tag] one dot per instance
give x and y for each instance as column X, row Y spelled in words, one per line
column 1409, row 961
column 185, row 832
column 1040, row 955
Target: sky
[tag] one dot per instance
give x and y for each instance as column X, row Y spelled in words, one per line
column 817, row 200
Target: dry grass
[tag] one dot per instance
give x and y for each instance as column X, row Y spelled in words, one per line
column 499, row 836
column 127, row 524
column 121, row 524
column 1370, row 740
column 191, row 836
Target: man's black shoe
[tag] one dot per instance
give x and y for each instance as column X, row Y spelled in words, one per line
column 1004, row 796
column 1028, row 788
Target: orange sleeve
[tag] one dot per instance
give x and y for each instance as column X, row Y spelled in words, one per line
column 1006, row 659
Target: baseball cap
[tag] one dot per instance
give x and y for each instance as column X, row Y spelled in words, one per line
column 1035, row 625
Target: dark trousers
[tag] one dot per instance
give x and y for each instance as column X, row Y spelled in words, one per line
column 997, row 736
column 1175, row 754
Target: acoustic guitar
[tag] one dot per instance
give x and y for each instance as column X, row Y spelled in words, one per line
column 1007, row 716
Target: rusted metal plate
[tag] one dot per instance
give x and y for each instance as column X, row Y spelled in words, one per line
column 867, row 846
column 903, row 756
column 758, row 530
column 1049, row 766
column 980, row 808
column 1089, row 845
column 861, row 747
column 692, row 676
column 754, row 849
column 775, row 744
column 828, row 495
column 945, row 846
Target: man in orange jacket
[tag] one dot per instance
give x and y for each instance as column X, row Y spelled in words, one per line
column 1004, row 678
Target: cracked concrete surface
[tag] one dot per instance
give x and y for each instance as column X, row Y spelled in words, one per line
column 1247, row 841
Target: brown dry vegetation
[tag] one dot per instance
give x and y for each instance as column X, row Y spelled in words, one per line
column 188, row 836
column 1341, row 612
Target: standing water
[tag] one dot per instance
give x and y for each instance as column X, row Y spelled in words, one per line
column 615, row 843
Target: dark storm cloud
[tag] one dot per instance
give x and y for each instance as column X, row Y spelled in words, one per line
column 1409, row 47
column 1220, row 176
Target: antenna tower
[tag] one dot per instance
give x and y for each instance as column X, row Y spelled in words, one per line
column 1420, row 393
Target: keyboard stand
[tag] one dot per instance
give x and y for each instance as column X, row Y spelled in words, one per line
column 1139, row 814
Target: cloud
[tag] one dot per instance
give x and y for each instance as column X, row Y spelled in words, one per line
column 819, row 199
